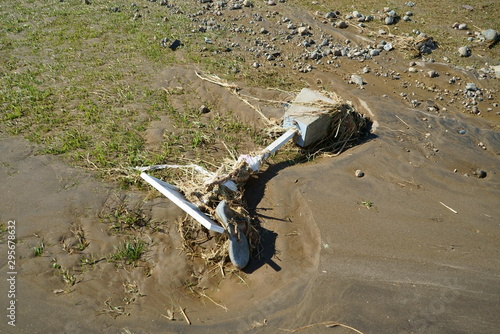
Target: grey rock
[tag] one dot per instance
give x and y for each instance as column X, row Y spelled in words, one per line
column 389, row 20
column 432, row 74
column 471, row 86
column 359, row 173
column 374, row 52
column 464, row 51
column 356, row 14
column 480, row 173
column 412, row 70
column 330, row 15
column 341, row 25
column 406, row 18
column 204, row 109
column 490, row 35
column 356, row 79
column 462, row 26
column 388, row 47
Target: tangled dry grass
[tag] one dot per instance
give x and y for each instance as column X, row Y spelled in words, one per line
column 206, row 189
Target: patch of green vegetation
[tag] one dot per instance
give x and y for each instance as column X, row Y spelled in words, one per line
column 38, row 250
column 122, row 219
column 65, row 274
column 367, row 204
column 130, row 251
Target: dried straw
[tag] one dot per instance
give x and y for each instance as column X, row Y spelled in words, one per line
column 206, row 188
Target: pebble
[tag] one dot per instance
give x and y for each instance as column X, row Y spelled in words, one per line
column 374, row 52
column 388, row 47
column 471, row 86
column 480, row 173
column 303, row 31
column 356, row 79
column 406, row 18
column 359, row 173
column 464, row 51
column 256, row 65
column 490, row 35
column 341, row 25
column 204, row 109
column 412, row 70
column 389, row 20
column 366, row 69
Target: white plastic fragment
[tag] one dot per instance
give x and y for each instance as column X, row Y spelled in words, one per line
column 173, row 194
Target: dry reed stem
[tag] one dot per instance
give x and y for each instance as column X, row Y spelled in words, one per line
column 185, row 315
column 234, row 89
column 203, row 294
column 328, row 324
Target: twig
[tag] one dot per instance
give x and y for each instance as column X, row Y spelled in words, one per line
column 203, row 294
column 409, row 127
column 185, row 315
column 326, row 323
column 234, row 90
column 446, row 206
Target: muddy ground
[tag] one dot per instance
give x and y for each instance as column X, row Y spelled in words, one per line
column 410, row 247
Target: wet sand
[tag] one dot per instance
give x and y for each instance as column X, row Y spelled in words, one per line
column 423, row 257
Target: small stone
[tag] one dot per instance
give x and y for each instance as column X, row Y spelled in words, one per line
column 175, row 44
column 490, row 35
column 432, row 74
column 341, row 25
column 480, row 173
column 366, row 70
column 303, row 31
column 356, row 14
column 406, row 18
column 256, row 65
column 464, row 51
column 462, row 26
column 412, row 70
column 247, row 3
column 359, row 173
column 330, row 15
column 389, row 20
column 356, row 79
column 374, row 52
column 471, row 86
column 204, row 109
column 388, row 47
column 271, row 3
